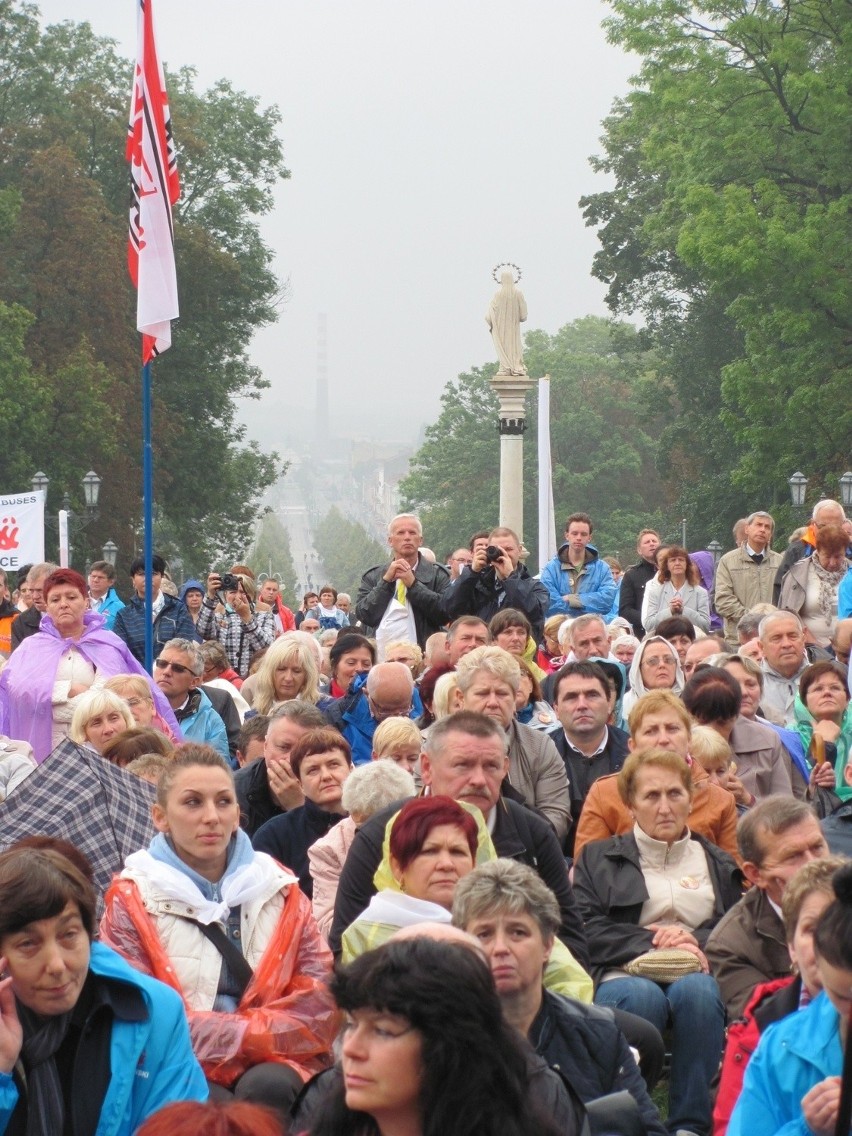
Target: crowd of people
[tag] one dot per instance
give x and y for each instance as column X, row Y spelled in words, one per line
column 480, row 851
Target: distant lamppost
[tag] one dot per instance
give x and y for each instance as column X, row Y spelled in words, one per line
column 110, row 551
column 76, row 522
column 798, row 487
column 846, row 489
column 715, row 550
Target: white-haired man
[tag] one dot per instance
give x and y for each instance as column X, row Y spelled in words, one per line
column 745, row 576
column 403, row 599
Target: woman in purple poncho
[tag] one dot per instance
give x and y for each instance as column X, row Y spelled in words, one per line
column 70, row 654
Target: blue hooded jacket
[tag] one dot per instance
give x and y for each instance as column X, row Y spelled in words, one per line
column 596, row 588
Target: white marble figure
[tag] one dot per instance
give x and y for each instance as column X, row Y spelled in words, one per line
column 506, row 312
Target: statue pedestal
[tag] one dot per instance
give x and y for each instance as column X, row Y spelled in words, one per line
column 511, row 390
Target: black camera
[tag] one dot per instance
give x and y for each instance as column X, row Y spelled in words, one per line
column 230, row 582
column 493, row 553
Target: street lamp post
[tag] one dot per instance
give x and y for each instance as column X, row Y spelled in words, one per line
column 110, row 552
column 799, row 484
column 798, row 487
column 715, row 550
column 68, row 523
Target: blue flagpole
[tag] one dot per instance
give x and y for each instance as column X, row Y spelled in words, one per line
column 147, row 507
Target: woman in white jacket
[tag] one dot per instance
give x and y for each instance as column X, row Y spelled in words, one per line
column 675, row 590
column 229, row 929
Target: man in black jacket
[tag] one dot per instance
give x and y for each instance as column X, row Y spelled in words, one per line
column 487, row 586
column 402, row 600
column 636, row 577
column 466, row 759
column 588, row 746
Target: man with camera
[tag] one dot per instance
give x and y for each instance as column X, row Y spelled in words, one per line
column 228, row 615
column 496, row 579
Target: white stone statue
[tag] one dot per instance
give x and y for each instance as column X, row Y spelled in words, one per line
column 506, row 312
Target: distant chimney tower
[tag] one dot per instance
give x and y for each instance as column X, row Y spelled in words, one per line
column 322, row 432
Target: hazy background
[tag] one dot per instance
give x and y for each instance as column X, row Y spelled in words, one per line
column 427, row 142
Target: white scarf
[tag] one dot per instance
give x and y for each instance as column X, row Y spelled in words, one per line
column 241, row 886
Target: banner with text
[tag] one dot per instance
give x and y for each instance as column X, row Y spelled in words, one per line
column 21, row 529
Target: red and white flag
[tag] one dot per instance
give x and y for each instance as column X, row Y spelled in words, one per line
column 155, row 189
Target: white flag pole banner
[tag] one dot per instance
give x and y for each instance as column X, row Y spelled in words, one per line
column 21, row 529
column 64, row 547
column 546, row 517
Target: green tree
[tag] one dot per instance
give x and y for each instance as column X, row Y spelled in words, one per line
column 63, row 235
column 728, row 229
column 271, row 553
column 603, row 429
column 454, row 477
column 346, row 550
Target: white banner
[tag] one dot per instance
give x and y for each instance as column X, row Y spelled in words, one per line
column 546, row 518
column 21, row 529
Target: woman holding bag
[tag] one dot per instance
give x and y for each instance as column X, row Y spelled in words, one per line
column 649, row 899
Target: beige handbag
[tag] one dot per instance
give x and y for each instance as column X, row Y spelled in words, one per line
column 667, row 964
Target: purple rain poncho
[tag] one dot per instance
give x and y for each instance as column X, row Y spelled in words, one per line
column 26, row 684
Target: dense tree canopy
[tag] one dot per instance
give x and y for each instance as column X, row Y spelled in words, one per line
column 67, row 310
column 728, row 229
column 346, row 550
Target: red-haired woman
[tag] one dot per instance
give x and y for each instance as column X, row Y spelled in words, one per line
column 432, row 845
column 71, row 653
column 212, row 1118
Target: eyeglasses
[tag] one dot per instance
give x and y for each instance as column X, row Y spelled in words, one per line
column 134, row 702
column 178, row 668
column 380, row 711
column 659, row 660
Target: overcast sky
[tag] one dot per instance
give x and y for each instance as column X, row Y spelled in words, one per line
column 427, row 142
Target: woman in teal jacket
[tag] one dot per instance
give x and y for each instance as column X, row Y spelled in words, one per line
column 87, row 1043
column 792, row 1083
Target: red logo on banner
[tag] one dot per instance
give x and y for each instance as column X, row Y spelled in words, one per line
column 8, row 535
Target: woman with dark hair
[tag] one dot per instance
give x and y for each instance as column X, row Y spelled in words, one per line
column 675, row 590
column 416, row 1012
column 530, row 708
column 87, row 1043
column 309, row 600
column 824, row 719
column 351, row 655
column 71, row 653
column 792, row 1083
column 228, row 929
column 321, row 760
column 511, row 630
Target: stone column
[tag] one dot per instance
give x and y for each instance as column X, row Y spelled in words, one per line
column 511, row 389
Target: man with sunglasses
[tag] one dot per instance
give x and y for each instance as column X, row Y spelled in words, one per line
column 386, row 692
column 177, row 672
